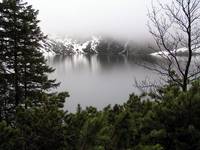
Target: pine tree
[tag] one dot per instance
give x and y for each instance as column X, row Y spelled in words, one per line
column 24, row 67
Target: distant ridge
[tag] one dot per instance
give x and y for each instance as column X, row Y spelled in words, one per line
column 95, row 45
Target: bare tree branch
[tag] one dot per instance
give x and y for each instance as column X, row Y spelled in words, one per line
column 174, row 26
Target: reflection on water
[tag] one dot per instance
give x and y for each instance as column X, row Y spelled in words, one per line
column 99, row 80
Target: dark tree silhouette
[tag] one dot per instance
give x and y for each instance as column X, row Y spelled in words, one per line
column 23, row 67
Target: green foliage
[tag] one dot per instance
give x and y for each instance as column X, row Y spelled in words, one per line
column 9, row 137
column 36, row 128
column 168, row 122
column 150, row 147
column 42, row 127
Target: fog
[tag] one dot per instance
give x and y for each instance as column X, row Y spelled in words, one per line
column 117, row 18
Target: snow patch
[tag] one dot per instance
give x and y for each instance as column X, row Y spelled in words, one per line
column 178, row 51
column 55, row 45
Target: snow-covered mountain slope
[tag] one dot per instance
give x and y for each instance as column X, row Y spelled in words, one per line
column 69, row 46
column 180, row 51
column 93, row 45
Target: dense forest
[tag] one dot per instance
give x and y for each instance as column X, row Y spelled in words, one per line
column 33, row 118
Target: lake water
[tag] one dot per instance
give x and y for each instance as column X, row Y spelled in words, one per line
column 99, row 80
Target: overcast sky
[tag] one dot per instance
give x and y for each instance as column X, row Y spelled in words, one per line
column 122, row 18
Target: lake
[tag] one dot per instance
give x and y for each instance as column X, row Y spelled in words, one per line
column 99, row 80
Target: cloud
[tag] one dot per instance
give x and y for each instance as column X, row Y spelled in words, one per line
column 124, row 18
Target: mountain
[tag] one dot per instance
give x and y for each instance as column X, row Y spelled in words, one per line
column 93, row 45
column 69, row 46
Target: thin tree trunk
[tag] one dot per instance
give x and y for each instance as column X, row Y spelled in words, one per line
column 185, row 78
column 16, row 75
column 25, row 84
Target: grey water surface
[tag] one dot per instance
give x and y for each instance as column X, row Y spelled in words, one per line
column 100, row 80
